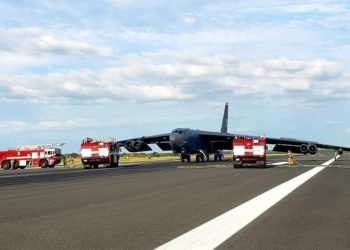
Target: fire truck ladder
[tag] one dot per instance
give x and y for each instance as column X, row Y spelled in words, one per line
column 41, row 146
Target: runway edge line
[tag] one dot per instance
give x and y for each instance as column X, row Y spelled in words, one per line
column 214, row 232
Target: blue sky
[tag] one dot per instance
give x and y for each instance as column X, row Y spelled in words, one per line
column 71, row 69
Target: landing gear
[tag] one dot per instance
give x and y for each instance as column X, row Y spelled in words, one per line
column 199, row 158
column 217, row 157
column 185, row 157
column 202, row 156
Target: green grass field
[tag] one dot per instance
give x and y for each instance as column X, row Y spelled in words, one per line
column 136, row 158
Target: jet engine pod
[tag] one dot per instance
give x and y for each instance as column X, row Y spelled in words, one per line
column 128, row 144
column 340, row 151
column 312, row 149
column 304, row 149
column 137, row 144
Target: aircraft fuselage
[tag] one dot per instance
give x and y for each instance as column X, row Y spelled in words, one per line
column 188, row 141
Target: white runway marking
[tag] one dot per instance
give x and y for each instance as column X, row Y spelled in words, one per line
column 279, row 163
column 214, row 232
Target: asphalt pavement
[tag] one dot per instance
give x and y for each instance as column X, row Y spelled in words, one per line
column 143, row 206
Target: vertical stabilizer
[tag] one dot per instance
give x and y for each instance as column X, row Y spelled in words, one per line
column 225, row 120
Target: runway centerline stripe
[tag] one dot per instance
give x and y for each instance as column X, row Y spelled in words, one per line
column 214, row 232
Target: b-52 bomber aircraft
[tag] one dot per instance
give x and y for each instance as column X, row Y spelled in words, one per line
column 186, row 141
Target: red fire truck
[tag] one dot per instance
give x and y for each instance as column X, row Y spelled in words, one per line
column 44, row 155
column 249, row 151
column 96, row 152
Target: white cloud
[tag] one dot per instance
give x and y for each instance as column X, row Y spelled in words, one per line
column 330, row 122
column 152, row 77
column 12, row 126
column 51, row 45
column 36, row 43
column 61, row 124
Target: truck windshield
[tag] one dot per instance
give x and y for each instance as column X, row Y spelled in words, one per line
column 58, row 151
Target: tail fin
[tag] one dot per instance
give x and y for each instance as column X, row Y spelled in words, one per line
column 225, row 120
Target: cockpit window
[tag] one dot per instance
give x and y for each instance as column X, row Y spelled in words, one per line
column 179, row 131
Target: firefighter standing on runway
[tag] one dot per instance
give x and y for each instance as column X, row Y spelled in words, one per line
column 290, row 158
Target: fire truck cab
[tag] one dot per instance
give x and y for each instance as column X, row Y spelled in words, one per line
column 249, row 151
column 45, row 155
column 96, row 152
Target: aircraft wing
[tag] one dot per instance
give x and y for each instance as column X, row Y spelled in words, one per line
column 218, row 141
column 223, row 141
column 289, row 143
column 141, row 143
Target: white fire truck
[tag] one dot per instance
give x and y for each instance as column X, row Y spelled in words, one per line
column 96, row 152
column 43, row 155
column 249, row 151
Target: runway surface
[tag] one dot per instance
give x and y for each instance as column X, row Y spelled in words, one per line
column 144, row 206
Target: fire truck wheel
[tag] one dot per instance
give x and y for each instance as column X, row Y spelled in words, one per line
column 114, row 161
column 15, row 165
column 188, row 157
column 215, row 157
column 6, row 165
column 96, row 166
column 44, row 163
column 87, row 166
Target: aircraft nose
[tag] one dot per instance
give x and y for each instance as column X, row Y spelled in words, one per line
column 178, row 141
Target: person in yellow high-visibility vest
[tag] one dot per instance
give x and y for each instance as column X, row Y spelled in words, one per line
column 290, row 158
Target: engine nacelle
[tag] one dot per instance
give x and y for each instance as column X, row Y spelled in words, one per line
column 340, row 151
column 137, row 144
column 312, row 149
column 128, row 144
column 304, row 149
